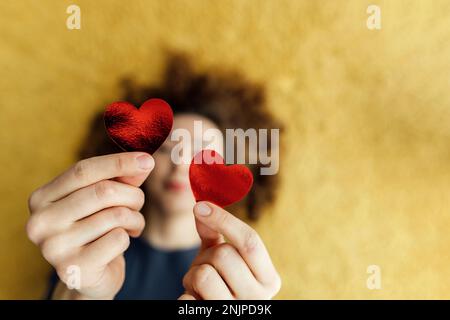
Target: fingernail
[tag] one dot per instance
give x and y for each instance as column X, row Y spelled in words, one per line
column 203, row 209
column 145, row 162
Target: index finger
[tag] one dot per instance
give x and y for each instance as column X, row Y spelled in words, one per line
column 244, row 238
column 92, row 170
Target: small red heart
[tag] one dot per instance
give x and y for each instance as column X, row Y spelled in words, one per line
column 144, row 129
column 211, row 180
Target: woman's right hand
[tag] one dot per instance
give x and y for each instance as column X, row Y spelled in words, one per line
column 84, row 218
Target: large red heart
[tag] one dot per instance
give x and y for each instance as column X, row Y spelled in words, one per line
column 211, row 180
column 144, row 129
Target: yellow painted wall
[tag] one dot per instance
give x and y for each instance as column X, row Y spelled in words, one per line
column 366, row 175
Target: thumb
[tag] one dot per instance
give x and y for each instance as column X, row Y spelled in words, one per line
column 208, row 236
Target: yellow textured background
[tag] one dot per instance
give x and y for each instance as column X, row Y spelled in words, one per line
column 367, row 168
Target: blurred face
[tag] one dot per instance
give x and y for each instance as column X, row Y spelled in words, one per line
column 168, row 185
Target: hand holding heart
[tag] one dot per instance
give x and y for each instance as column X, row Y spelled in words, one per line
column 85, row 216
column 238, row 269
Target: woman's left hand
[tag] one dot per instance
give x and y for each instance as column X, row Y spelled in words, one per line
column 240, row 268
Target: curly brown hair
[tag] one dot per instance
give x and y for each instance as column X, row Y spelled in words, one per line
column 223, row 96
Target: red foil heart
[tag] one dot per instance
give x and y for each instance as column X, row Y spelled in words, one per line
column 211, row 180
column 144, row 129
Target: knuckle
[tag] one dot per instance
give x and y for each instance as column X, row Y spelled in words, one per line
column 120, row 163
column 34, row 227
column 81, row 170
column 201, row 275
column 121, row 238
column 53, row 249
column 33, row 200
column 140, row 196
column 223, row 219
column 121, row 215
column 251, row 240
column 141, row 222
column 103, row 189
column 222, row 251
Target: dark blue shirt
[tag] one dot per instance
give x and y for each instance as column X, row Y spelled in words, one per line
column 151, row 273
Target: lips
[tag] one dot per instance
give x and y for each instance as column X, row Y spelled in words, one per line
column 175, row 186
